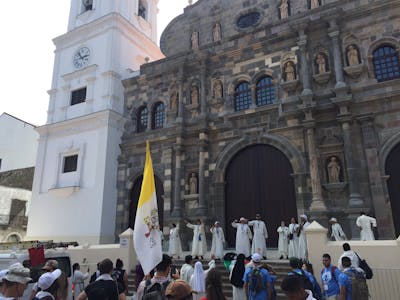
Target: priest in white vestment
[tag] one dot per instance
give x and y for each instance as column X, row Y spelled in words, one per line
column 259, row 244
column 293, row 238
column 365, row 222
column 283, row 232
column 337, row 231
column 301, row 233
column 175, row 248
column 218, row 240
column 243, row 236
column 199, row 245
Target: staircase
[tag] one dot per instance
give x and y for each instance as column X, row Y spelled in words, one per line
column 281, row 267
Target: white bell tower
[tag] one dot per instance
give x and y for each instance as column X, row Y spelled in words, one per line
column 74, row 190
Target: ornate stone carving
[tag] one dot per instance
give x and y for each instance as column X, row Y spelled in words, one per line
column 195, row 40
column 314, row 4
column 193, row 184
column 333, row 169
column 352, row 55
column 217, row 89
column 284, row 8
column 217, row 32
column 354, row 65
column 322, row 63
column 174, row 101
column 194, row 96
column 289, row 71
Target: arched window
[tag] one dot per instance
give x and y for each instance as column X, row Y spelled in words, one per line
column 386, row 63
column 158, row 116
column 242, row 96
column 265, row 91
column 142, row 119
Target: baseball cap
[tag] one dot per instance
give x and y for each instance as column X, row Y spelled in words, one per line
column 178, row 289
column 51, row 264
column 333, row 220
column 47, row 279
column 18, row 273
column 256, row 257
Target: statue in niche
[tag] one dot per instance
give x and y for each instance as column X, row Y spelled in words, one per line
column 195, row 40
column 333, row 170
column 321, row 63
column 290, row 72
column 352, row 56
column 314, row 4
column 174, row 101
column 194, row 95
column 217, row 32
column 193, row 184
column 217, row 89
column 284, row 8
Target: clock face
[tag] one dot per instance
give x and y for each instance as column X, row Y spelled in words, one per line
column 81, row 57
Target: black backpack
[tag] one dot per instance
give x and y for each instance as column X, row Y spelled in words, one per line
column 155, row 290
column 364, row 265
column 305, row 281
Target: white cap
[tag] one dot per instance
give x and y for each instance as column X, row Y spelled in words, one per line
column 303, row 217
column 47, row 279
column 256, row 257
column 333, row 220
column 18, row 273
column 242, row 219
column 3, row 273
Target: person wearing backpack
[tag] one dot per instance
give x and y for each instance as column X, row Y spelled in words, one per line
column 307, row 279
column 329, row 278
column 120, row 276
column 352, row 282
column 257, row 281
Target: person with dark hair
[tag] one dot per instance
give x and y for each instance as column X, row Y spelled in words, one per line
column 365, row 222
column 119, row 275
column 199, row 244
column 139, row 274
column 187, row 268
column 307, row 279
column 329, row 278
column 78, row 279
column 294, row 290
column 349, row 276
column 179, row 290
column 48, row 285
column 95, row 274
column 104, row 287
column 236, row 278
column 355, row 262
column 213, row 286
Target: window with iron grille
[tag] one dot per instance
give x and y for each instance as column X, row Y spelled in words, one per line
column 158, row 115
column 78, row 96
column 265, row 91
column 70, row 163
column 242, row 96
column 386, row 63
column 142, row 119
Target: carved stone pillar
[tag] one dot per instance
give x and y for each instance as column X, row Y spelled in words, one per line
column 355, row 199
column 203, row 98
column 337, row 55
column 202, row 209
column 177, row 209
column 317, row 203
column 304, row 70
column 253, row 96
column 180, row 94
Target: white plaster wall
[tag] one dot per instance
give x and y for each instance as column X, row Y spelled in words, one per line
column 18, row 143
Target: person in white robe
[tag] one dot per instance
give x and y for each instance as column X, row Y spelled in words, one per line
column 293, row 238
column 337, row 231
column 259, row 244
column 301, row 233
column 198, row 281
column 365, row 222
column 187, row 269
column 175, row 248
column 283, row 232
column 243, row 236
column 78, row 279
column 199, row 245
column 355, row 261
column 218, row 240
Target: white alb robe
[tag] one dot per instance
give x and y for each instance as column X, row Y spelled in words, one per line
column 199, row 246
column 302, row 251
column 175, row 248
column 186, row 272
column 355, row 262
column 259, row 244
column 293, row 243
column 243, row 237
column 218, row 240
column 337, row 232
column 283, row 232
column 365, row 222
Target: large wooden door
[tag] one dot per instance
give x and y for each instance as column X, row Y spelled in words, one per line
column 392, row 168
column 135, row 193
column 258, row 180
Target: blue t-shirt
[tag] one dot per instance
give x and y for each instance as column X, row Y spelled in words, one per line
column 330, row 284
column 344, row 280
column 262, row 295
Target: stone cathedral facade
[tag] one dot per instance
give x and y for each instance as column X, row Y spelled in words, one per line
column 272, row 107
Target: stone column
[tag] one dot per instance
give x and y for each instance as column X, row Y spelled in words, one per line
column 180, row 94
column 317, row 203
column 305, row 74
column 202, row 209
column 203, row 97
column 337, row 55
column 253, row 96
column 355, row 197
column 177, row 210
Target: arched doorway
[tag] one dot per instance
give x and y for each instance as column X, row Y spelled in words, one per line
column 134, row 196
column 258, row 180
column 392, row 168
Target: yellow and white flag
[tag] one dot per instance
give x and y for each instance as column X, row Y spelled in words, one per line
column 146, row 233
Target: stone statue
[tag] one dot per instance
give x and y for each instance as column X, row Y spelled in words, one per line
column 321, row 62
column 352, row 56
column 195, row 40
column 217, row 89
column 284, row 7
column 314, row 4
column 217, row 32
column 174, row 101
column 333, row 170
column 194, row 95
column 289, row 70
column 193, row 184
